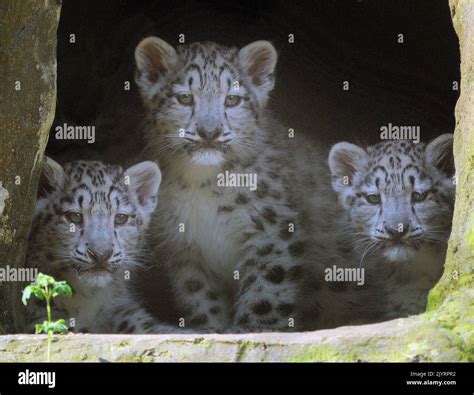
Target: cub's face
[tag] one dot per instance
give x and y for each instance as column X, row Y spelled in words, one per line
column 399, row 195
column 91, row 217
column 204, row 99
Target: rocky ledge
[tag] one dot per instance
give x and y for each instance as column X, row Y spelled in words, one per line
column 442, row 335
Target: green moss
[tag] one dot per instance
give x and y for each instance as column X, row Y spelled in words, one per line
column 438, row 294
column 202, row 342
column 435, row 299
column 447, row 315
column 244, row 347
column 456, row 316
column 80, row 357
column 164, row 354
column 324, row 354
column 135, row 358
column 470, row 235
column 466, row 281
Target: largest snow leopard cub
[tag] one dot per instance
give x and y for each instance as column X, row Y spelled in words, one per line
column 234, row 253
column 88, row 227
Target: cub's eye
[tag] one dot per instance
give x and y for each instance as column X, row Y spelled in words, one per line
column 232, row 101
column 120, row 219
column 185, row 99
column 373, row 198
column 419, row 196
column 75, row 218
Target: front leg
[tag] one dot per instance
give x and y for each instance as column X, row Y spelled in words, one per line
column 270, row 273
column 128, row 316
column 201, row 296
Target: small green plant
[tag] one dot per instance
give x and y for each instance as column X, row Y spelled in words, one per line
column 46, row 288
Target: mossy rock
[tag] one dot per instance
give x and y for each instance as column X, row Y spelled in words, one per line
column 444, row 333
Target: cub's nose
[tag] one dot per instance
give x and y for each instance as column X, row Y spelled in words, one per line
column 207, row 135
column 397, row 232
column 100, row 256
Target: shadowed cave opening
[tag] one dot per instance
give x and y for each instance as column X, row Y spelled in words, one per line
column 404, row 83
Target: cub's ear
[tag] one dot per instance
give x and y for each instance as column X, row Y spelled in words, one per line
column 51, row 178
column 344, row 160
column 258, row 61
column 154, row 58
column 439, row 154
column 143, row 181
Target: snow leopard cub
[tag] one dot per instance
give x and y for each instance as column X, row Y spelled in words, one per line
column 89, row 222
column 234, row 250
column 399, row 198
column 392, row 221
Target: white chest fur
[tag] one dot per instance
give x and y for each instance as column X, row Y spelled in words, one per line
column 86, row 306
column 199, row 225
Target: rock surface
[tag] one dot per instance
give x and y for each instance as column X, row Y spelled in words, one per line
column 444, row 333
column 27, row 105
column 458, row 277
column 412, row 339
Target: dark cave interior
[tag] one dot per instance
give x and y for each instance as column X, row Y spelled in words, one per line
column 409, row 83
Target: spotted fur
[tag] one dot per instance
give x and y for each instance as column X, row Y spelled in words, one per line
column 397, row 201
column 399, row 195
column 231, row 251
column 88, row 229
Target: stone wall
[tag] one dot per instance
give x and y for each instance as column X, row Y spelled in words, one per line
column 458, row 275
column 409, row 340
column 27, row 106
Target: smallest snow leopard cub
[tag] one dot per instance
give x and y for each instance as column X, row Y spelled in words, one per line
column 89, row 222
column 399, row 200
